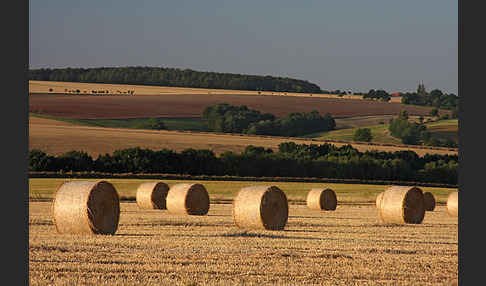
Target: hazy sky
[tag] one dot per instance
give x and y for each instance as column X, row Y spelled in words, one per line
column 337, row 44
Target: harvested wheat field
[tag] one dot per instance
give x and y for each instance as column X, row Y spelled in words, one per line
column 349, row 246
column 56, row 87
column 152, row 247
column 57, row 137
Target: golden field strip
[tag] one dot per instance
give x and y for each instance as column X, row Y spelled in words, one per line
column 56, row 137
column 348, row 246
column 36, row 86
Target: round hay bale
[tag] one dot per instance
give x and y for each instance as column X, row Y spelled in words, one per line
column 260, row 207
column 378, row 200
column 322, row 199
column 429, row 201
column 402, row 204
column 86, row 207
column 152, row 195
column 453, row 203
column 191, row 199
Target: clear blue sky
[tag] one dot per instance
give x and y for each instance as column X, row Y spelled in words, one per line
column 351, row 45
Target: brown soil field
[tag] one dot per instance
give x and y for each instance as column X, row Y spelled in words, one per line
column 193, row 105
column 348, row 246
column 56, row 137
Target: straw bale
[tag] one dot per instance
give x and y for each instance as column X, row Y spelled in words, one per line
column 260, row 207
column 322, row 199
column 429, row 201
column 86, row 207
column 152, row 195
column 453, row 203
column 190, row 199
column 402, row 204
column 378, row 200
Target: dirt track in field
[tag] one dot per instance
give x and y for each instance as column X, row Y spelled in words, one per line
column 193, row 105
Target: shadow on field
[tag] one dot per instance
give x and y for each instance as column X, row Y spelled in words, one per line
column 134, row 234
column 219, row 215
column 176, row 223
column 324, row 217
column 298, row 216
column 246, row 234
column 301, row 230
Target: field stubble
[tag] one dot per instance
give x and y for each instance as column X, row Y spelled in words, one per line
column 56, row 137
column 151, row 247
column 349, row 246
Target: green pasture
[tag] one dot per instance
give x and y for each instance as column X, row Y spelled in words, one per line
column 379, row 132
column 447, row 129
column 176, row 123
column 440, row 129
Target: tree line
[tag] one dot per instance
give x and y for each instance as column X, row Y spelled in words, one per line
column 175, row 77
column 240, row 119
column 435, row 98
column 415, row 133
column 290, row 160
column 379, row 94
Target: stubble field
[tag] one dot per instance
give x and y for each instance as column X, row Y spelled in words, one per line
column 57, row 137
column 348, row 246
column 57, row 87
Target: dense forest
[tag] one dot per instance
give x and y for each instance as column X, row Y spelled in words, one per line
column 173, row 77
column 291, row 160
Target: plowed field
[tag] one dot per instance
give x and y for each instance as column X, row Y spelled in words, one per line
column 193, row 105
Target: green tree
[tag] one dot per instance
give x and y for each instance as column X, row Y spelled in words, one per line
column 363, row 134
column 40, row 161
column 434, row 112
column 403, row 115
column 410, row 133
column 155, row 123
column 378, row 94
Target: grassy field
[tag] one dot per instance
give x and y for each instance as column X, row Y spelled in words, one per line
column 348, row 246
column 43, row 188
column 380, row 134
column 445, row 129
column 182, row 124
column 440, row 129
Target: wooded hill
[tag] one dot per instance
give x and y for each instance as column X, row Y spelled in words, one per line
column 174, row 77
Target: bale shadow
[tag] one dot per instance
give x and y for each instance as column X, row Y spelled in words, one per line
column 134, row 234
column 301, row 230
column 298, row 216
column 219, row 215
column 246, row 234
column 184, row 224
